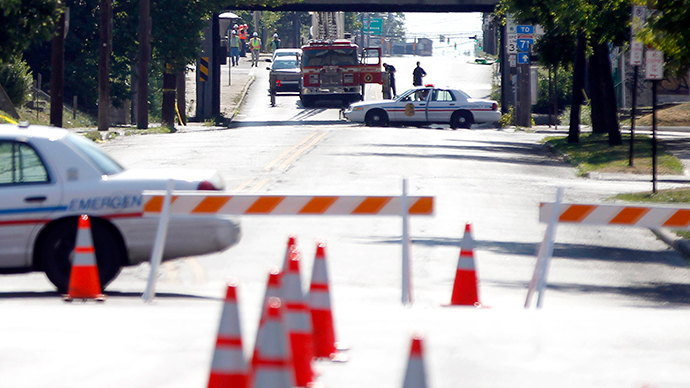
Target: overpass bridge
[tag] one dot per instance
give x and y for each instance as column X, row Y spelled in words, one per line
column 379, row 6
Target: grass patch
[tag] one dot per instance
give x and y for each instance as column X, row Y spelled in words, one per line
column 82, row 120
column 593, row 154
column 678, row 115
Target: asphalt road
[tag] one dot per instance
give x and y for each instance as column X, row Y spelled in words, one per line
column 614, row 314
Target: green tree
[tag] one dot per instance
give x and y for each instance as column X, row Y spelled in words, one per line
column 24, row 22
column 593, row 24
column 668, row 29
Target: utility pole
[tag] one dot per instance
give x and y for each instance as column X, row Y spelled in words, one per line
column 143, row 64
column 57, row 73
column 104, row 50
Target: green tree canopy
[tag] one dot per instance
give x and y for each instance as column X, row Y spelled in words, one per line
column 23, row 22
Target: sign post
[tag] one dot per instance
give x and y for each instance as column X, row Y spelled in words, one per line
column 639, row 15
column 654, row 72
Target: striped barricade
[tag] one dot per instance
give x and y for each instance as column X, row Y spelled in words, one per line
column 619, row 215
column 208, row 203
column 201, row 203
column 641, row 216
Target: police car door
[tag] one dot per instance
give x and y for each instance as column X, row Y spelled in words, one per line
column 29, row 195
column 413, row 106
column 441, row 106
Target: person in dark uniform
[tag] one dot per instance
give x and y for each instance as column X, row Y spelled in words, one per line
column 417, row 75
column 390, row 69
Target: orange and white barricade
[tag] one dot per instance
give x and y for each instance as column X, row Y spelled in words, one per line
column 215, row 204
column 553, row 213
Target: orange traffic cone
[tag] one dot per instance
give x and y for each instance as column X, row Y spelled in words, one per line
column 298, row 321
column 465, row 288
column 415, row 374
column 292, row 241
column 320, row 307
column 271, row 363
column 272, row 289
column 228, row 368
column 84, row 282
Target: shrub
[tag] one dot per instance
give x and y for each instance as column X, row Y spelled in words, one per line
column 15, row 77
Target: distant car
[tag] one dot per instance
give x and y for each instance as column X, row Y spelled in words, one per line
column 426, row 105
column 50, row 176
column 287, row 52
column 285, row 74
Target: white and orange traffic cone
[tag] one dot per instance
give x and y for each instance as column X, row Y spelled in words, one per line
column 415, row 372
column 298, row 321
column 320, row 308
column 292, row 241
column 465, row 287
column 273, row 288
column 84, row 282
column 272, row 362
column 228, row 368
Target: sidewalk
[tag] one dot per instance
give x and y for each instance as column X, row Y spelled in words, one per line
column 235, row 82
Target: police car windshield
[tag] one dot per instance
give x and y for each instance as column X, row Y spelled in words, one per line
column 103, row 161
column 335, row 57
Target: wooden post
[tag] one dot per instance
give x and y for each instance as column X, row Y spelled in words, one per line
column 57, row 73
column 104, row 50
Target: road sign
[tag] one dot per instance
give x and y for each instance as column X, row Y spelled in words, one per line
column 523, row 45
column 523, row 58
column 655, row 65
column 525, row 29
column 636, row 50
column 375, row 26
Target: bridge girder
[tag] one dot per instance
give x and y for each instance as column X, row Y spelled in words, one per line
column 486, row 6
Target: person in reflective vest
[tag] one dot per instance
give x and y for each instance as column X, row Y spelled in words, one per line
column 275, row 43
column 234, row 48
column 243, row 40
column 255, row 46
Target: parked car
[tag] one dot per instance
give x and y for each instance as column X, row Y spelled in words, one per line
column 285, row 74
column 50, row 176
column 426, row 105
column 287, row 52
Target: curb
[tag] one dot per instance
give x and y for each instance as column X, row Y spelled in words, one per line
column 243, row 95
column 678, row 243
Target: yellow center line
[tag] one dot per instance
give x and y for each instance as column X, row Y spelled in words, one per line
column 259, row 185
column 243, row 185
column 270, row 164
column 301, row 150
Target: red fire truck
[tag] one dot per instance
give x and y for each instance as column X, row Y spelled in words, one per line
column 333, row 70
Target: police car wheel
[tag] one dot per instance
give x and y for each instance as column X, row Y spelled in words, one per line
column 376, row 118
column 55, row 245
column 461, row 119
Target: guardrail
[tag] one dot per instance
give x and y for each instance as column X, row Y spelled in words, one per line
column 208, row 203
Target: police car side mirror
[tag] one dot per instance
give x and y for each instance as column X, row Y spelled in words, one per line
column 268, row 68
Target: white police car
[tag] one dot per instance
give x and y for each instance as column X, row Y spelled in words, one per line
column 426, row 105
column 50, row 176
